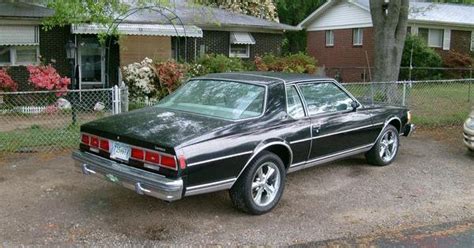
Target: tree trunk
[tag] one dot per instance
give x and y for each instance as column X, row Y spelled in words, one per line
column 390, row 28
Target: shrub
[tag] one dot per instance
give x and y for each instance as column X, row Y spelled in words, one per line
column 140, row 79
column 423, row 56
column 45, row 77
column 455, row 59
column 212, row 63
column 6, row 82
column 170, row 75
column 297, row 63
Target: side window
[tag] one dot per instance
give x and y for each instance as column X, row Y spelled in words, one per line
column 325, row 98
column 294, row 104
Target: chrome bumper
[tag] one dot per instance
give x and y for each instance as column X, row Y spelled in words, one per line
column 468, row 137
column 142, row 182
column 408, row 129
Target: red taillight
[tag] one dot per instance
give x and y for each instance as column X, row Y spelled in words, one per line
column 152, row 157
column 104, row 144
column 85, row 139
column 168, row 161
column 94, row 141
column 138, row 154
column 182, row 162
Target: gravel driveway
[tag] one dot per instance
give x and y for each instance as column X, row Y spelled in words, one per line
column 45, row 202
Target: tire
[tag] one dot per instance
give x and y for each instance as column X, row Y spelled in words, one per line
column 252, row 193
column 386, row 147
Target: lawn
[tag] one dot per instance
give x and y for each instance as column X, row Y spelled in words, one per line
column 36, row 138
column 432, row 104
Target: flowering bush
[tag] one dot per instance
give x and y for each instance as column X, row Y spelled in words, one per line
column 45, row 77
column 213, row 63
column 140, row 79
column 170, row 74
column 298, row 63
column 6, row 82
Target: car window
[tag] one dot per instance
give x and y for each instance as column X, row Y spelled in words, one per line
column 223, row 99
column 325, row 98
column 294, row 104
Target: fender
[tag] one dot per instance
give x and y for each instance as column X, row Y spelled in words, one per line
column 386, row 124
column 262, row 146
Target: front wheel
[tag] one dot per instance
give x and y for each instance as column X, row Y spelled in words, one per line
column 386, row 148
column 259, row 188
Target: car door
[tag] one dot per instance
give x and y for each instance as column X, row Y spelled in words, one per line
column 336, row 126
column 299, row 126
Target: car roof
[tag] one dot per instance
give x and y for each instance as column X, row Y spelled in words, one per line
column 264, row 77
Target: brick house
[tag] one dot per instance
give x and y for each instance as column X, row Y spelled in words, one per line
column 340, row 34
column 145, row 33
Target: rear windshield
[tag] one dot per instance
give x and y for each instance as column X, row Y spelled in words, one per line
column 222, row 99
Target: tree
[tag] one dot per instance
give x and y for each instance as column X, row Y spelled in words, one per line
column 265, row 9
column 293, row 12
column 390, row 27
column 416, row 53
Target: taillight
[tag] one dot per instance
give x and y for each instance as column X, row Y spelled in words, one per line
column 152, row 157
column 182, row 162
column 168, row 161
column 104, row 144
column 94, row 141
column 138, row 154
column 85, row 139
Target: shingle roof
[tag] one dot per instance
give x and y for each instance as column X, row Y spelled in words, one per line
column 23, row 10
column 208, row 17
column 460, row 14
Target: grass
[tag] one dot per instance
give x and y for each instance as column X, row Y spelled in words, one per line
column 431, row 104
column 36, row 138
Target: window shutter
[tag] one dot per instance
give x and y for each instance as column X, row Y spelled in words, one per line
column 472, row 40
column 447, row 39
column 414, row 30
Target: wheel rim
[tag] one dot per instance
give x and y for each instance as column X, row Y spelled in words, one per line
column 388, row 146
column 265, row 184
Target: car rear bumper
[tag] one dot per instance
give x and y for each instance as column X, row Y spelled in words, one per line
column 408, row 129
column 142, row 182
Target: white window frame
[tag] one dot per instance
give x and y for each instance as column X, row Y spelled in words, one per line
column 329, row 34
column 430, row 33
column 235, row 55
column 13, row 58
column 360, row 40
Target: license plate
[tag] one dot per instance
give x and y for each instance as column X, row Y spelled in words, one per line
column 120, row 151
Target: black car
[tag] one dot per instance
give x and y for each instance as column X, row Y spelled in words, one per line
column 241, row 132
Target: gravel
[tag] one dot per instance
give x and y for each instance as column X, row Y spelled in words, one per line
column 45, row 202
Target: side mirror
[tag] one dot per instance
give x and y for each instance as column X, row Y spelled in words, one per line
column 354, row 105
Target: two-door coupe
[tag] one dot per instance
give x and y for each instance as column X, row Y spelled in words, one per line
column 241, row 132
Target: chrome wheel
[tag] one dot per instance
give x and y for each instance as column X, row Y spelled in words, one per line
column 388, row 146
column 265, row 184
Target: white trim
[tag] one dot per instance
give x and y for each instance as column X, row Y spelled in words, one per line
column 447, row 39
column 366, row 25
column 236, row 55
column 360, row 36
column 219, row 158
column 331, row 38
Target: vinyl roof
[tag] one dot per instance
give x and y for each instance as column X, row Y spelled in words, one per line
column 264, row 77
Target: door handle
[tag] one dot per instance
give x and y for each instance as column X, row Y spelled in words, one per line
column 316, row 128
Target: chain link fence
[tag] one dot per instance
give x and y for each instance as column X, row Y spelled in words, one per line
column 432, row 102
column 49, row 121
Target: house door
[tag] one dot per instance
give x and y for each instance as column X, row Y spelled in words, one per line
column 91, row 59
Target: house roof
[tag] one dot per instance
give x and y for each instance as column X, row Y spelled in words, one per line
column 420, row 12
column 208, row 17
column 23, row 10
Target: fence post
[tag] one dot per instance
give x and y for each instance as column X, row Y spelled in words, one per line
column 404, row 93
column 115, row 100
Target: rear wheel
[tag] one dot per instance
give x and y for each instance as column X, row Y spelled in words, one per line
column 385, row 149
column 258, row 190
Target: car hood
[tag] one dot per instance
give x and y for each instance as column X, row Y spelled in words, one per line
column 154, row 126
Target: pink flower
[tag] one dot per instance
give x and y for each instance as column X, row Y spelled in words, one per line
column 46, row 77
column 6, row 82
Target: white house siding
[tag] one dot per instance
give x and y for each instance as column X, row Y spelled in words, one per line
column 341, row 16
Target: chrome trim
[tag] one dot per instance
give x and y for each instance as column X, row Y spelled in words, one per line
column 210, row 187
column 385, row 125
column 329, row 158
column 218, row 158
column 142, row 182
column 335, row 133
column 259, row 149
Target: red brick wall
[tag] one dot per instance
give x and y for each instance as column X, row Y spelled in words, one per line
column 343, row 58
